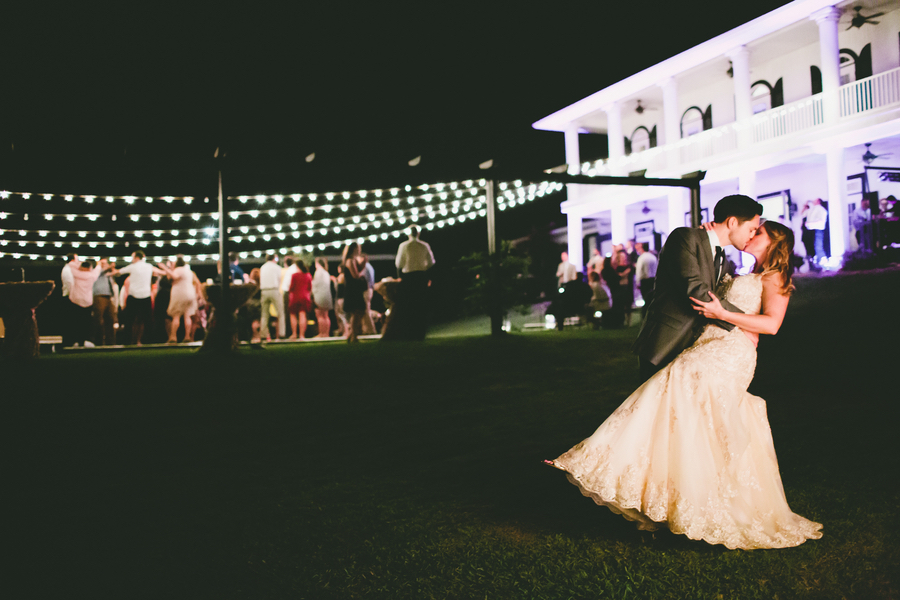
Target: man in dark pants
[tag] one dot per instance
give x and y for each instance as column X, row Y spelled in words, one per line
column 104, row 307
column 414, row 258
column 691, row 264
column 645, row 274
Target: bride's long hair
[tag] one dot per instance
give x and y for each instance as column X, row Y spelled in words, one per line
column 779, row 255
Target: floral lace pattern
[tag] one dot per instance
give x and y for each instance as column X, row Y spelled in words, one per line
column 691, row 449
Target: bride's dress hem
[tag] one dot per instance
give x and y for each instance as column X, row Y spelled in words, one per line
column 646, row 523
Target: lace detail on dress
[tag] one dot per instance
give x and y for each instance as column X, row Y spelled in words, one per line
column 692, row 450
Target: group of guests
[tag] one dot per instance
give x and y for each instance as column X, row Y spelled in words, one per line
column 608, row 296
column 166, row 303
column 290, row 295
column 97, row 308
column 879, row 226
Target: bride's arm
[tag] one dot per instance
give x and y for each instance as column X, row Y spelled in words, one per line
column 774, row 305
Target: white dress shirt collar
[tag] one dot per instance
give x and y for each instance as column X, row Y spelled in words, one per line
column 713, row 241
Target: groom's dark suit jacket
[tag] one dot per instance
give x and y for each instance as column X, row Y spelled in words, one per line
column 685, row 271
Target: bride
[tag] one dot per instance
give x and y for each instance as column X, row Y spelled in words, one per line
column 691, row 449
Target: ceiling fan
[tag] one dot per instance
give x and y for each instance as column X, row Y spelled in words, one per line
column 640, row 108
column 859, row 20
column 870, row 156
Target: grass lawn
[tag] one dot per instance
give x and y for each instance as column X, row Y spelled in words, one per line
column 413, row 470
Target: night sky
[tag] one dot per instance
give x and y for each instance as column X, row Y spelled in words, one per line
column 135, row 98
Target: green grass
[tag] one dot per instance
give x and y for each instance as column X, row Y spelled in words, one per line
column 413, row 470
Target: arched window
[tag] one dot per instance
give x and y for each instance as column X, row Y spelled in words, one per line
column 692, row 122
column 640, row 139
column 760, row 97
column 848, row 66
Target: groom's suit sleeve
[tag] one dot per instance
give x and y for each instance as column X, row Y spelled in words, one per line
column 696, row 284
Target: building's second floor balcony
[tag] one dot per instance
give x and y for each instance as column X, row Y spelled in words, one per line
column 788, row 123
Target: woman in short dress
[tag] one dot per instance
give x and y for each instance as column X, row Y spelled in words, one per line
column 355, row 286
column 300, row 302
column 321, row 292
column 182, row 299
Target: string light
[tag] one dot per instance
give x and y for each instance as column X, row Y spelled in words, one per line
column 473, row 208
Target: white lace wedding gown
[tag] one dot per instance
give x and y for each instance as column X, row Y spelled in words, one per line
column 691, row 449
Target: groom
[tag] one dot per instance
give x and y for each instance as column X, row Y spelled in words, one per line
column 691, row 264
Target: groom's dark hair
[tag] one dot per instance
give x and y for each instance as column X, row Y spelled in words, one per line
column 741, row 207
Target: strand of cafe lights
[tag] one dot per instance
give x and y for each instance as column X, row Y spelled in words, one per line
column 441, row 198
column 355, row 221
column 448, row 198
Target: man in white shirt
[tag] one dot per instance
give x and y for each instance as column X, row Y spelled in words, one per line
column 861, row 217
column 816, row 219
column 595, row 265
column 414, row 255
column 81, row 294
column 270, row 284
column 566, row 271
column 287, row 272
column 414, row 258
column 645, row 274
column 69, row 309
column 139, row 305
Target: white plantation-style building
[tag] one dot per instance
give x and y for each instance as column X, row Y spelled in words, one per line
column 781, row 109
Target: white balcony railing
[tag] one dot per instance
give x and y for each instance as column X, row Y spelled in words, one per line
column 708, row 143
column 788, row 119
column 870, row 93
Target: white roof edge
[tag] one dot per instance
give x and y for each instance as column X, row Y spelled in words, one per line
column 716, row 47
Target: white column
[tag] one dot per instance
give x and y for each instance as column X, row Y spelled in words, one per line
column 671, row 113
column 747, row 183
column 619, row 224
column 671, row 122
column 679, row 202
column 830, row 55
column 838, row 219
column 573, row 151
column 614, row 135
column 575, row 238
column 743, row 107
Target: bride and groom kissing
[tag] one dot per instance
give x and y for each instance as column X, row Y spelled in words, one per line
column 691, row 450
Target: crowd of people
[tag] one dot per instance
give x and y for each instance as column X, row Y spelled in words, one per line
column 292, row 296
column 877, row 227
column 159, row 304
column 613, row 283
column 141, row 303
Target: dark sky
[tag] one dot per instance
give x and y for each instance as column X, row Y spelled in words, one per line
column 135, row 97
